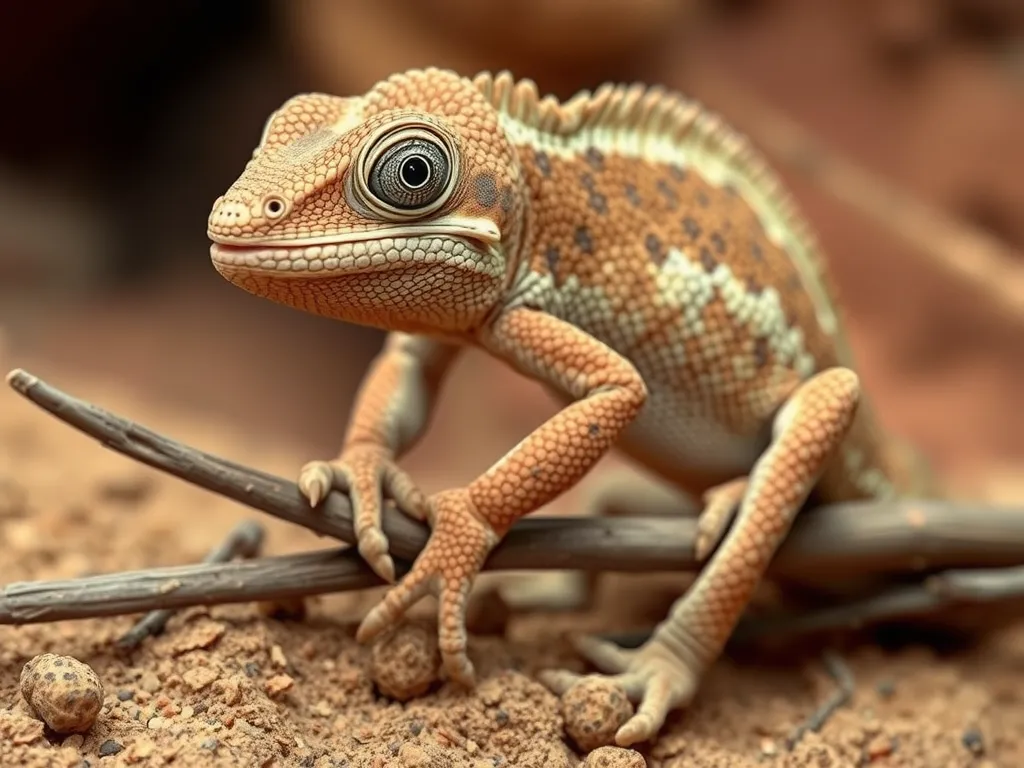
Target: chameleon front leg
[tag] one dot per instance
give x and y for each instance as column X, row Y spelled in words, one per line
column 392, row 410
column 665, row 672
column 467, row 523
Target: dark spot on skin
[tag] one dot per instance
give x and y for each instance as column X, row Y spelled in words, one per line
column 543, row 163
column 677, row 172
column 552, row 257
column 587, row 180
column 702, row 199
column 654, row 248
column 718, row 242
column 753, row 287
column 583, row 239
column 793, row 282
column 59, row 663
column 707, row 260
column 595, row 159
column 669, row 193
column 730, row 190
column 756, row 251
column 632, row 195
column 599, row 203
column 761, row 351
column 70, row 676
column 594, row 429
column 536, row 473
column 506, row 199
column 50, row 677
column 485, row 190
column 691, row 227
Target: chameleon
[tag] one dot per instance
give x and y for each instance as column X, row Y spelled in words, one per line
column 626, row 248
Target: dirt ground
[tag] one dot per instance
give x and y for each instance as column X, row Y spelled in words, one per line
column 185, row 354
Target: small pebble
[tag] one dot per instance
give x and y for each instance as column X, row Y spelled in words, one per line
column 614, row 757
column 594, row 709
column 405, row 663
column 125, row 695
column 63, row 692
column 973, row 741
column 110, row 747
column 210, row 744
column 880, row 746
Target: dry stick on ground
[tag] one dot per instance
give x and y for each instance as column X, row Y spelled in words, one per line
column 244, row 540
column 832, row 544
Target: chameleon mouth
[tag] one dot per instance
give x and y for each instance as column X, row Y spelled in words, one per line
column 452, row 245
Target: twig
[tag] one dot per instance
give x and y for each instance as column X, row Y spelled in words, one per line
column 931, row 595
column 843, row 676
column 118, row 594
column 830, row 544
column 244, row 540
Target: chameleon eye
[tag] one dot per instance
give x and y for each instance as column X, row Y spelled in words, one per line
column 410, row 175
column 409, row 172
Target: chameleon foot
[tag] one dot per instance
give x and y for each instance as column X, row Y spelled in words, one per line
column 459, row 543
column 653, row 677
column 366, row 472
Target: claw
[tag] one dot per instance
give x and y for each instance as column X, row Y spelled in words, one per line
column 315, row 481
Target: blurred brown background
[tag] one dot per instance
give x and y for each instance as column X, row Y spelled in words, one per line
column 123, row 121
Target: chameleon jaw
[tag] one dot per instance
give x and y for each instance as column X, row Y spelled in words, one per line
column 469, row 243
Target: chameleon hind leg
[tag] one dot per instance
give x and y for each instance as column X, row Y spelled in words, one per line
column 621, row 491
column 664, row 673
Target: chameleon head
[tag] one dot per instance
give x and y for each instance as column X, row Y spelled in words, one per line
column 400, row 209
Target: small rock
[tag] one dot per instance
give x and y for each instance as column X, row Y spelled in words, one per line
column 198, row 678
column 277, row 657
column 769, row 748
column 278, row 684
column 75, row 741
column 149, row 682
column 594, row 709
column 973, row 741
column 614, row 757
column 405, row 663
column 158, row 723
column 110, row 747
column 210, row 744
column 880, row 746
column 125, row 695
column 63, row 692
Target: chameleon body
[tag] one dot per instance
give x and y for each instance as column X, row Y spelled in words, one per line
column 626, row 248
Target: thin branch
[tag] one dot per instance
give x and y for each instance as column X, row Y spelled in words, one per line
column 244, row 540
column 834, row 543
column 118, row 594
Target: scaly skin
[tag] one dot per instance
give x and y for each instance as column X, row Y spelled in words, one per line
column 625, row 248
